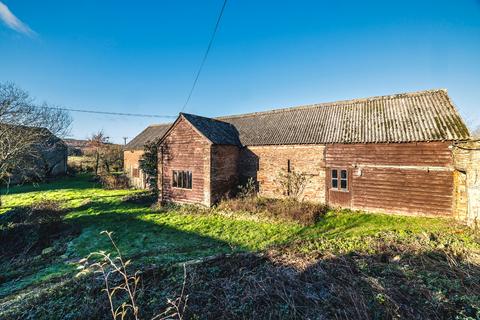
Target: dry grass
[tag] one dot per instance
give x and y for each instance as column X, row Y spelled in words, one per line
column 112, row 181
column 288, row 209
column 410, row 279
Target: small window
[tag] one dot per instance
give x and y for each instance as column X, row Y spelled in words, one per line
column 182, row 179
column 343, row 180
column 334, row 179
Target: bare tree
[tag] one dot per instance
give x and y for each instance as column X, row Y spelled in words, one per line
column 98, row 142
column 25, row 127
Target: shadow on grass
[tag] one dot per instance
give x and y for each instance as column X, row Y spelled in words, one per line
column 80, row 182
column 145, row 242
column 400, row 282
column 141, row 239
column 389, row 284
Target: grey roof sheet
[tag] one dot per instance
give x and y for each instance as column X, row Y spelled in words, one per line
column 409, row 117
column 218, row 132
column 149, row 134
column 418, row 116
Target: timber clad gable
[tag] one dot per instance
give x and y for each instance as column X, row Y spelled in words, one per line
column 184, row 149
column 388, row 154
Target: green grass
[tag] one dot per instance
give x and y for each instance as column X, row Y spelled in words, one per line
column 347, row 224
column 150, row 237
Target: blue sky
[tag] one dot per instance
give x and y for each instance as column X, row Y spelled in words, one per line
column 141, row 56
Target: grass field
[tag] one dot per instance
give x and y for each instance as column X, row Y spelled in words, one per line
column 162, row 238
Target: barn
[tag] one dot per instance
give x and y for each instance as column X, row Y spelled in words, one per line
column 389, row 154
column 134, row 150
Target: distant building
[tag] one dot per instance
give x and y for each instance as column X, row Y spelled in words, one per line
column 49, row 160
column 78, row 147
column 134, row 151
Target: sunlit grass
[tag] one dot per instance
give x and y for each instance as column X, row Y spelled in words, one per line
column 174, row 236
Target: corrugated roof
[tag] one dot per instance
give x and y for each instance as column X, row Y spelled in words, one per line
column 218, row 132
column 409, row 117
column 149, row 134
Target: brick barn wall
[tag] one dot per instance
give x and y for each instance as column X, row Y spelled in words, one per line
column 264, row 163
column 408, row 178
column 185, row 149
column 224, row 171
column 131, row 160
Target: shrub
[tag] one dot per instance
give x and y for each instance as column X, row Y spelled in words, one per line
column 292, row 184
column 247, row 190
column 149, row 164
column 114, row 181
column 306, row 213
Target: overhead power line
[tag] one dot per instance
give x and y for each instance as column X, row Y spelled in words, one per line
column 112, row 113
column 205, row 55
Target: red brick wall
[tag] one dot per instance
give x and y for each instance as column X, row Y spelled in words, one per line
column 408, row 178
column 224, row 171
column 266, row 162
column 185, row 149
column 130, row 162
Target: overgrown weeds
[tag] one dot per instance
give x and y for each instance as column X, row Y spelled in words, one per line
column 427, row 276
column 288, row 209
column 411, row 279
column 27, row 230
column 145, row 198
column 121, row 287
column 31, row 236
column 113, row 181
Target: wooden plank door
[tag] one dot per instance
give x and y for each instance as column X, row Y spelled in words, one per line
column 338, row 186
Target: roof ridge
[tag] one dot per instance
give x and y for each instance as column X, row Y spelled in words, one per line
column 216, row 119
column 159, row 124
column 336, row 103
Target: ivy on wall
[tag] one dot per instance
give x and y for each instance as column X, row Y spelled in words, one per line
column 149, row 164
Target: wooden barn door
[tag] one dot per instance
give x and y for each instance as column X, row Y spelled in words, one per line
column 339, row 180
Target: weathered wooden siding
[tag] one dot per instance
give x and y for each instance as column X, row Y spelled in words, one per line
column 411, row 178
column 224, row 171
column 185, row 149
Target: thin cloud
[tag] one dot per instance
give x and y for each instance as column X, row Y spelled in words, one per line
column 13, row 22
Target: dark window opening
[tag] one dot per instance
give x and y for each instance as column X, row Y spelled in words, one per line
column 343, row 179
column 182, row 179
column 334, row 179
column 339, row 182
